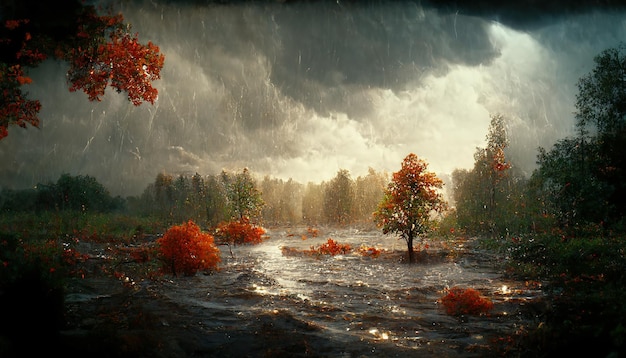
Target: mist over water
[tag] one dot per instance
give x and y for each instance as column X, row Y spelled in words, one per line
column 302, row 90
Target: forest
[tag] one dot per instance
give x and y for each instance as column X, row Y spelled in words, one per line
column 562, row 226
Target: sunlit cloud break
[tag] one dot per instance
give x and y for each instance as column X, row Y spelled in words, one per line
column 302, row 90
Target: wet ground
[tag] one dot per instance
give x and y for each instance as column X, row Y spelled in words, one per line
column 263, row 303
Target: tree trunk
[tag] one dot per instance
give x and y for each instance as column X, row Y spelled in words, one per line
column 409, row 242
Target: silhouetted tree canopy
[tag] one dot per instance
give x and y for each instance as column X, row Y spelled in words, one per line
column 584, row 177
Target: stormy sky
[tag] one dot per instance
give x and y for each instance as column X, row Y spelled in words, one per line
column 302, row 89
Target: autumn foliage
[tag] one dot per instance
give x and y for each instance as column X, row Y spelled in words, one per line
column 100, row 50
column 240, row 232
column 459, row 301
column 409, row 202
column 185, row 248
column 109, row 55
column 332, row 247
column 15, row 108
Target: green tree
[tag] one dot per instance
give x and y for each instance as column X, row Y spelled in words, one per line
column 18, row 200
column 283, row 201
column 368, row 192
column 492, row 168
column 313, row 203
column 338, row 198
column 197, row 198
column 271, row 209
column 601, row 120
column 564, row 176
column 411, row 199
column 164, row 194
column 182, row 210
column 484, row 196
column 291, row 198
column 215, row 201
column 469, row 208
column 601, row 98
column 584, row 177
column 79, row 193
column 243, row 197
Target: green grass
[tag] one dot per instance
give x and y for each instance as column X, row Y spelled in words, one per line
column 89, row 226
column 585, row 280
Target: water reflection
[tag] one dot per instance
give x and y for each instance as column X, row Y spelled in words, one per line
column 353, row 298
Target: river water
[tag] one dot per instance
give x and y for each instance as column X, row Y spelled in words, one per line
column 265, row 303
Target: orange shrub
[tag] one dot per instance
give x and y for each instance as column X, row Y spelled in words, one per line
column 240, row 232
column 185, row 248
column 369, row 251
column 459, row 301
column 331, row 247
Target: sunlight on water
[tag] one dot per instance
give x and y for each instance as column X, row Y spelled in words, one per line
column 354, row 297
column 378, row 334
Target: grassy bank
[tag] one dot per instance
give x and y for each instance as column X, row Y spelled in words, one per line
column 584, row 280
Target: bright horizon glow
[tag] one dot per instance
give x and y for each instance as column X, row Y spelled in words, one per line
column 251, row 96
column 442, row 120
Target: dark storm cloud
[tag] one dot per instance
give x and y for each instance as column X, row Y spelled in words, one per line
column 329, row 52
column 303, row 89
column 322, row 54
column 525, row 15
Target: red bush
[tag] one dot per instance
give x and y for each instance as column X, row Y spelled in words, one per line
column 185, row 248
column 331, row 247
column 459, row 301
column 240, row 232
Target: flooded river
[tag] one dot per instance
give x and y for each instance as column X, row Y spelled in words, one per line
column 265, row 303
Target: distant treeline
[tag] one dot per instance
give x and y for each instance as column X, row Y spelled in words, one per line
column 79, row 193
column 211, row 199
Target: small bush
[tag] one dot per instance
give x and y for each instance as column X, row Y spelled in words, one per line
column 331, row 247
column 459, row 301
column 185, row 248
column 240, row 232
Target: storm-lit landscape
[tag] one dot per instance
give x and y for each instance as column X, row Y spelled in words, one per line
column 296, row 178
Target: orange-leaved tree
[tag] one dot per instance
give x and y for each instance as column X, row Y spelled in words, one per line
column 240, row 232
column 100, row 50
column 409, row 202
column 185, row 248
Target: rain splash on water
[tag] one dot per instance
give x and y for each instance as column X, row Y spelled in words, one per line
column 356, row 305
